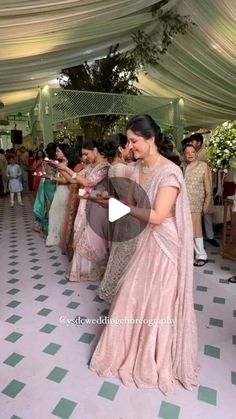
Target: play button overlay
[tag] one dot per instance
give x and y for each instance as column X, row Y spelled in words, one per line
column 115, row 222
column 116, row 210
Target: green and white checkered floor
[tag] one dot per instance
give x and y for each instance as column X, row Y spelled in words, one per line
column 44, row 360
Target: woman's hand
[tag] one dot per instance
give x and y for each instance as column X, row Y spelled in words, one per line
column 53, row 163
column 205, row 209
column 38, row 164
column 103, row 202
column 44, row 176
column 125, row 203
column 61, row 166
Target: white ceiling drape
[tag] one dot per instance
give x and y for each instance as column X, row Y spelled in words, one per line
column 201, row 65
column 39, row 38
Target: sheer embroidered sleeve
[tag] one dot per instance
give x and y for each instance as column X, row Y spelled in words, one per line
column 170, row 180
column 98, row 176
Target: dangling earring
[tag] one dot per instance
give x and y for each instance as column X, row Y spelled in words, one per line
column 150, row 149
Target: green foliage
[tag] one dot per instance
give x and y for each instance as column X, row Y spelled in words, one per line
column 150, row 46
column 118, row 72
column 65, row 136
column 114, row 74
column 221, row 148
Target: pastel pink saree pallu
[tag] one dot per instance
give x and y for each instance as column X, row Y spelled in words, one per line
column 155, row 292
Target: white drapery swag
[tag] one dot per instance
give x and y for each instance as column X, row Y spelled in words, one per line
column 40, row 37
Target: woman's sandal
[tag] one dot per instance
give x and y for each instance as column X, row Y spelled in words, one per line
column 200, row 262
column 232, row 279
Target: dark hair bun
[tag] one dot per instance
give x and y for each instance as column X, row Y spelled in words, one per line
column 144, row 125
column 165, row 147
column 113, row 143
column 90, row 144
column 74, row 157
column 51, row 150
column 65, row 148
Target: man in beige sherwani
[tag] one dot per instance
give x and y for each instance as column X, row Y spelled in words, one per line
column 197, row 141
column 198, row 181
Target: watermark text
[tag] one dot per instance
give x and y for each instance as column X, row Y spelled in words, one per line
column 116, row 322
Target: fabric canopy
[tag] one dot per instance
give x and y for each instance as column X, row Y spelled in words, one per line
column 39, row 38
column 200, row 66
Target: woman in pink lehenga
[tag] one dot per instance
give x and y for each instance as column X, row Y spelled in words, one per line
column 90, row 249
column 155, row 291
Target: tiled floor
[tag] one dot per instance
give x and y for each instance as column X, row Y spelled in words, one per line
column 44, row 372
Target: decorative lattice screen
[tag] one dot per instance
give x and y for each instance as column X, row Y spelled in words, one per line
column 56, row 106
column 72, row 104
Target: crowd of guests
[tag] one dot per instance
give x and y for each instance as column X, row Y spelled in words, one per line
column 70, row 210
column 57, row 210
column 148, row 276
column 18, row 168
column 26, row 165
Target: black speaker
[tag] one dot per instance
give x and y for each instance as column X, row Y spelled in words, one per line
column 16, row 136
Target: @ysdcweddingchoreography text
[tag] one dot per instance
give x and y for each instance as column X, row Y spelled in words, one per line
column 116, row 322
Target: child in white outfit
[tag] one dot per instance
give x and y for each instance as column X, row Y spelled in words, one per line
column 14, row 185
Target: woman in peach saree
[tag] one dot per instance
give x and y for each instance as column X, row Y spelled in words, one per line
column 153, row 339
column 90, row 248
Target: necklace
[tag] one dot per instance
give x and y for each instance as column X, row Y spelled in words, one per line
column 150, row 169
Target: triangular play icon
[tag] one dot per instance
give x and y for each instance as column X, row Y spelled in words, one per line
column 116, row 210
